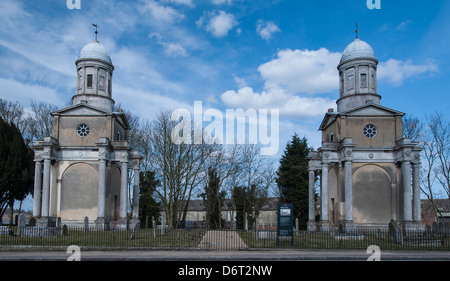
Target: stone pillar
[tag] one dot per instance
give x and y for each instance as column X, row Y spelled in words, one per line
column 123, row 192
column 324, row 197
column 37, row 188
column 136, row 194
column 406, row 178
column 311, row 202
column 348, row 192
column 416, row 193
column 101, row 190
column 46, row 189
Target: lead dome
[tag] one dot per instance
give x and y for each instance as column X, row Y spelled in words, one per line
column 357, row 49
column 95, row 50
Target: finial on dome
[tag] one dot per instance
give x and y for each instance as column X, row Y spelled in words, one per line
column 96, row 31
column 356, row 31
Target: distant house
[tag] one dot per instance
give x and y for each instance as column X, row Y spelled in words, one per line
column 267, row 218
column 429, row 215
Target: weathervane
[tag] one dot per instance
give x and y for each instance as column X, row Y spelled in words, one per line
column 356, row 31
column 96, row 32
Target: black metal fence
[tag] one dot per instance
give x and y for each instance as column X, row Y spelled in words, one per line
column 221, row 239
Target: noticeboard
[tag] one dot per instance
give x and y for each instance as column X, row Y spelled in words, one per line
column 285, row 220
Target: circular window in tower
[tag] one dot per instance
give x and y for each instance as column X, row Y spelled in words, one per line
column 370, row 131
column 83, row 130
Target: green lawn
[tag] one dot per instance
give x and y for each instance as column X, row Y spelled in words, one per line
column 182, row 238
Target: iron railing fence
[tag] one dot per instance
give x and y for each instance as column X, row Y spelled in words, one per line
column 200, row 238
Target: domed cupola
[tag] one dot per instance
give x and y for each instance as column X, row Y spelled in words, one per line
column 96, row 51
column 94, row 83
column 356, row 50
column 357, row 76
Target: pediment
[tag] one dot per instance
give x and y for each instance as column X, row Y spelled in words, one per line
column 372, row 110
column 81, row 109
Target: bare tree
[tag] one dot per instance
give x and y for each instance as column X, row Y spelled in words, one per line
column 439, row 129
column 434, row 137
column 412, row 128
column 256, row 175
column 12, row 112
column 39, row 121
column 180, row 166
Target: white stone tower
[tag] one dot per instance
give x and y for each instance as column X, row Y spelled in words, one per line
column 94, row 83
column 365, row 164
column 357, row 76
column 87, row 158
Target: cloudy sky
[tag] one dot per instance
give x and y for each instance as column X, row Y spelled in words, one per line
column 229, row 54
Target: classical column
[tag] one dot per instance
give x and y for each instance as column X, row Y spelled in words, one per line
column 101, row 189
column 312, row 201
column 123, row 191
column 324, row 193
column 348, row 192
column 46, row 188
column 136, row 194
column 37, row 188
column 406, row 177
column 416, row 193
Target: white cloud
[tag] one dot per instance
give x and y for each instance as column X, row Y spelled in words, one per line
column 403, row 25
column 289, row 105
column 181, row 2
column 170, row 49
column 395, row 71
column 220, row 2
column 14, row 90
column 288, row 77
column 174, row 50
column 302, row 71
column 266, row 29
column 162, row 13
column 218, row 24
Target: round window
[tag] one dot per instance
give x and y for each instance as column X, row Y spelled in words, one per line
column 370, row 131
column 83, row 130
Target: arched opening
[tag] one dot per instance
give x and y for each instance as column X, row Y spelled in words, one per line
column 372, row 202
column 79, row 192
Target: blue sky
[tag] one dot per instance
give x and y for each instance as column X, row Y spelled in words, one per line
column 229, row 54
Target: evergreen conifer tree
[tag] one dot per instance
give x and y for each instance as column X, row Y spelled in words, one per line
column 16, row 166
column 292, row 177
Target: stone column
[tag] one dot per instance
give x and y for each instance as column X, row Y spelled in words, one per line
column 406, row 178
column 123, row 192
column 416, row 193
column 348, row 192
column 46, row 188
column 311, row 210
column 101, row 190
column 37, row 188
column 324, row 193
column 136, row 194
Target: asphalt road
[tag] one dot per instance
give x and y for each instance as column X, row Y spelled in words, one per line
column 196, row 255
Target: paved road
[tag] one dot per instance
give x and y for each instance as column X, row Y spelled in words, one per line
column 251, row 255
